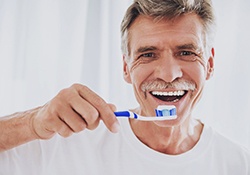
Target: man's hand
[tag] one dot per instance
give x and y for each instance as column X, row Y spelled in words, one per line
column 73, row 110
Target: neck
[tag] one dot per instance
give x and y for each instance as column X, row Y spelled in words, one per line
column 169, row 140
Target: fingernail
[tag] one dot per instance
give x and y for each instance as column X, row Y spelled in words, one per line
column 115, row 127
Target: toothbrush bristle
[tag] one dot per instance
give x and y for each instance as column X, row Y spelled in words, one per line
column 165, row 110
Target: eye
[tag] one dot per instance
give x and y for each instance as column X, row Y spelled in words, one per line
column 147, row 55
column 185, row 53
column 187, row 56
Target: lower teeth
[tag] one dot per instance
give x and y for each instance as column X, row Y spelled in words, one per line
column 176, row 100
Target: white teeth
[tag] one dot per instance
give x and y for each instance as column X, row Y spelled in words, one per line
column 171, row 93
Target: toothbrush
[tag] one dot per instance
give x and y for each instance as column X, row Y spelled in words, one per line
column 163, row 112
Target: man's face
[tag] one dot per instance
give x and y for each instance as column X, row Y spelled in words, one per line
column 167, row 51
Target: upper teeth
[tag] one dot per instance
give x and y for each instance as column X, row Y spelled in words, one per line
column 171, row 93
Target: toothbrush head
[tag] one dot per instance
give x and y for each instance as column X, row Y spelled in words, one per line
column 165, row 111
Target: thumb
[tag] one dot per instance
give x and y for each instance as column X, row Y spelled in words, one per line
column 112, row 107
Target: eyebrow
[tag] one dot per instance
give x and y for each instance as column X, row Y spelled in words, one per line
column 145, row 49
column 188, row 46
column 180, row 47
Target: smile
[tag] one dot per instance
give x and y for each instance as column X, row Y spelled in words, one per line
column 171, row 96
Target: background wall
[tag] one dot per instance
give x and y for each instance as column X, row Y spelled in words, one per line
column 48, row 45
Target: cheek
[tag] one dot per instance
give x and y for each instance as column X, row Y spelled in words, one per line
column 197, row 74
column 140, row 72
column 196, row 70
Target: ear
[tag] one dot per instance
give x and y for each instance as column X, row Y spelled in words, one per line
column 210, row 65
column 126, row 73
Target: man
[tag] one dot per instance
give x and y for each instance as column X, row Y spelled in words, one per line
column 167, row 56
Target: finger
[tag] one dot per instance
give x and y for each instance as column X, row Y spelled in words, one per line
column 86, row 111
column 59, row 126
column 94, row 125
column 80, row 106
column 72, row 119
column 112, row 107
column 59, row 117
column 105, row 111
column 64, row 130
column 116, row 125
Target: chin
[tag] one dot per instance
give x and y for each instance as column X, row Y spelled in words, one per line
column 169, row 123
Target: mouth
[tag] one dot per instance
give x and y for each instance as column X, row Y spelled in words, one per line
column 170, row 96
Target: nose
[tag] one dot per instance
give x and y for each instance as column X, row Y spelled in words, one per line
column 168, row 69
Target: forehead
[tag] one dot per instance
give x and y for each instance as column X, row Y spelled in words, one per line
column 186, row 29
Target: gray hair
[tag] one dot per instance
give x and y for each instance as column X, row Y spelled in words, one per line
column 169, row 9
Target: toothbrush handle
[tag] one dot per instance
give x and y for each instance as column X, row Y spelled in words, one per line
column 122, row 114
column 127, row 114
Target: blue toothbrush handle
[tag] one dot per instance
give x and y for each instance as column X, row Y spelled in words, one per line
column 122, row 114
column 125, row 114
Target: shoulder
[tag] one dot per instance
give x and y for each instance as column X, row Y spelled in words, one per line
column 228, row 148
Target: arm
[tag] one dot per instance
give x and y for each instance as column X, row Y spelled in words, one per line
column 72, row 110
column 16, row 129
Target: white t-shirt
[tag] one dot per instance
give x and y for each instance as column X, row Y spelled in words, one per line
column 101, row 152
